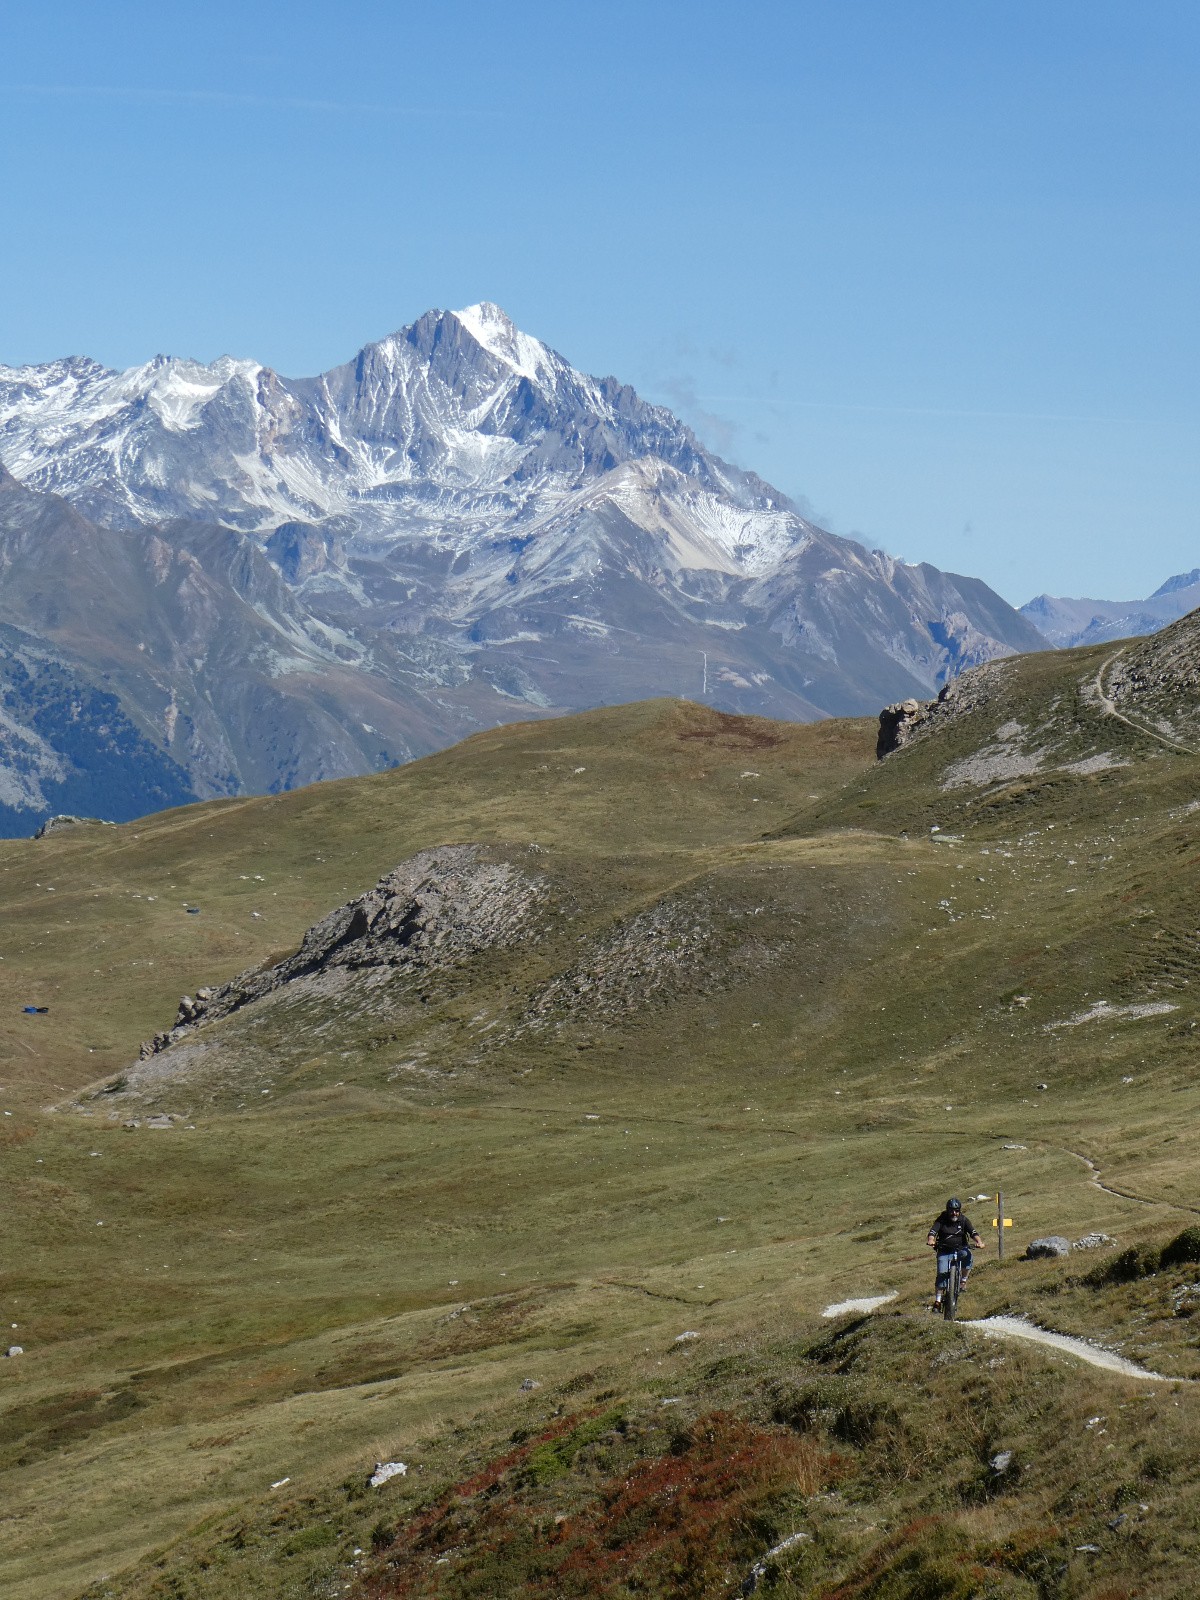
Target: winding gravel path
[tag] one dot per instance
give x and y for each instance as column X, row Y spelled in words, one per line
column 1018, row 1328
column 1030, row 1333
column 1109, row 708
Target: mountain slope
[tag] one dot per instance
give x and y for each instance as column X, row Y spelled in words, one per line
column 219, row 677
column 454, row 527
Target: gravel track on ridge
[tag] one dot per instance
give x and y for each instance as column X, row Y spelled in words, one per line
column 1018, row 1328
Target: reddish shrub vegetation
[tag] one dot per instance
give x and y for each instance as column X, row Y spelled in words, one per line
column 687, row 1521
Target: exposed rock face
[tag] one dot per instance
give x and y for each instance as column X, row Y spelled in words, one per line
column 431, row 913
column 897, row 725
column 972, row 691
column 63, row 820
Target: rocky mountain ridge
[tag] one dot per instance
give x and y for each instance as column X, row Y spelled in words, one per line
column 283, row 580
column 1067, row 622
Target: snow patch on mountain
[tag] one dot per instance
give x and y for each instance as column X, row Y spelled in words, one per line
column 500, row 336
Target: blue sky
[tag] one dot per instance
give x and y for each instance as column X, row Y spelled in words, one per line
column 932, row 267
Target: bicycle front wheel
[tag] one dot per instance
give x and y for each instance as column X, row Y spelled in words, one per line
column 953, row 1282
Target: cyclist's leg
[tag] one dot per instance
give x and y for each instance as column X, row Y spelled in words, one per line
column 943, row 1274
column 965, row 1256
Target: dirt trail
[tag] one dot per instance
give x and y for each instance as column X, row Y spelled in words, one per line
column 1018, row 1328
column 1124, row 1194
column 1110, row 709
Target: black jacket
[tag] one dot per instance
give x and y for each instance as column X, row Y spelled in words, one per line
column 952, row 1233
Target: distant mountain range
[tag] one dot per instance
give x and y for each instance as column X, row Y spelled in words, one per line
column 1065, row 622
column 275, row 580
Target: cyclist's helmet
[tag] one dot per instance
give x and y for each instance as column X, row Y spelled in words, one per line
column 953, row 1205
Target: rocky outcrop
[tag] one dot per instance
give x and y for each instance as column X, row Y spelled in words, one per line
column 64, row 820
column 897, row 724
column 974, row 690
column 429, row 914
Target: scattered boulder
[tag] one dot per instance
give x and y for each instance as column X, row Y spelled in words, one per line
column 1052, row 1245
column 530, row 1383
column 15, row 1350
column 1001, row 1461
column 385, row 1471
column 897, row 724
column 1092, row 1241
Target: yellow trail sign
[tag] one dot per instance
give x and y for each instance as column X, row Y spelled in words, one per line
column 1007, row 1222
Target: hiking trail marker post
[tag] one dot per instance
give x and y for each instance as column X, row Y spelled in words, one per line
column 1000, row 1222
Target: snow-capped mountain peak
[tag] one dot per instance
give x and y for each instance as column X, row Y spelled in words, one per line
column 177, row 389
column 494, row 331
column 441, row 431
column 464, row 514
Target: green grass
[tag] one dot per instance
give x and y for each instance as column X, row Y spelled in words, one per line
column 433, row 1203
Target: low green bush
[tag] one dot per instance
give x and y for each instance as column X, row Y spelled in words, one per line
column 1136, row 1262
column 314, row 1538
column 1183, row 1247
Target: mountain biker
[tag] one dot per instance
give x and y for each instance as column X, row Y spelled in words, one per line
column 948, row 1236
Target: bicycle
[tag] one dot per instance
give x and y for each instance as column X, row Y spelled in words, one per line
column 953, row 1286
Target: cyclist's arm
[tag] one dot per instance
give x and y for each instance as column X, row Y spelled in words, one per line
column 978, row 1242
column 932, row 1239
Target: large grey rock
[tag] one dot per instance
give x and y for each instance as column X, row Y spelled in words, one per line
column 1052, row 1245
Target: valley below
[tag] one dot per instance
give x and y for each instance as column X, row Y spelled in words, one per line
column 621, row 1047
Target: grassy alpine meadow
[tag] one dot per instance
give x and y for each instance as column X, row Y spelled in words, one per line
column 557, row 1230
